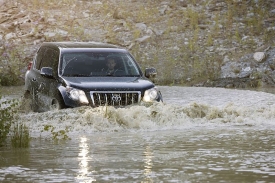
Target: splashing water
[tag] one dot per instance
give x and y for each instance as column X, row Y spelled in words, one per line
column 183, row 108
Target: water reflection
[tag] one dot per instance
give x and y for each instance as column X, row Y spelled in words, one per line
column 148, row 164
column 84, row 159
column 14, row 156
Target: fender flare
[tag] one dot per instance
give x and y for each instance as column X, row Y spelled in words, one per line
column 63, row 93
column 67, row 101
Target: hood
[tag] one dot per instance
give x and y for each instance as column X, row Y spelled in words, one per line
column 109, row 83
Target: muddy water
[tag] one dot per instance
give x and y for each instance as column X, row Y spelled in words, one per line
column 196, row 135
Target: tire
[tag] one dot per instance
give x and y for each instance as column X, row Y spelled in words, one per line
column 29, row 102
column 26, row 103
column 57, row 103
column 34, row 102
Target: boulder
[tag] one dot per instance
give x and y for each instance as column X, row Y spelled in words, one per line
column 259, row 56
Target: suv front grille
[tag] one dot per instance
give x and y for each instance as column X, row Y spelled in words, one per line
column 115, row 98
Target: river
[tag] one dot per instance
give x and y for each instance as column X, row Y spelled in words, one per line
column 196, row 135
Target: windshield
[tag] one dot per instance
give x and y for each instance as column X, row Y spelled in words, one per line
column 89, row 64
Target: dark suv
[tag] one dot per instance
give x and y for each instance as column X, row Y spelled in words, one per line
column 72, row 74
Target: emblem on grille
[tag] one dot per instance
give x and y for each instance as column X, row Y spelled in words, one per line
column 116, row 98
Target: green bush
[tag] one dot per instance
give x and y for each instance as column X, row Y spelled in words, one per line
column 7, row 110
column 20, row 136
column 18, row 133
column 57, row 135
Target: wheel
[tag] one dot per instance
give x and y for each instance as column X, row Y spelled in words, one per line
column 57, row 103
column 26, row 103
column 29, row 102
column 34, row 102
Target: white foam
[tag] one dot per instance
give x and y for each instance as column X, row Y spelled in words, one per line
column 156, row 117
column 182, row 108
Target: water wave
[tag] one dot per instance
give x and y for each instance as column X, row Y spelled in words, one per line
column 183, row 107
column 158, row 116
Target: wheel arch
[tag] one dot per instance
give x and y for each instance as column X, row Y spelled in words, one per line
column 63, row 95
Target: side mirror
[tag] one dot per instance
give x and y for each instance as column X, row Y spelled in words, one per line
column 47, row 72
column 150, row 72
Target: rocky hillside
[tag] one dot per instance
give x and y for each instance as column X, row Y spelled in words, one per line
column 226, row 43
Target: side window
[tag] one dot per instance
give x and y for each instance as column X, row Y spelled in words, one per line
column 46, row 60
column 55, row 61
column 50, row 59
column 38, row 57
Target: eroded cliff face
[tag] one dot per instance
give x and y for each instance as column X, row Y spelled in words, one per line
column 207, row 43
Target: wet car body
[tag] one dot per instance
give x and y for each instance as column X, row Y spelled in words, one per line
column 72, row 74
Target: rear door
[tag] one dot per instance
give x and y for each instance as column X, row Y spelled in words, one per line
column 34, row 75
column 47, row 86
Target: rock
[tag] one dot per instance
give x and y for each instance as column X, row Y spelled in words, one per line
column 203, row 26
column 259, row 56
column 149, row 31
column 2, row 2
column 245, row 72
column 141, row 26
column 272, row 75
column 163, row 9
column 25, row 28
column 272, row 13
column 158, row 32
column 97, row 3
column 50, row 34
column 261, row 48
column 36, row 42
column 230, row 85
column 86, row 14
column 272, row 63
column 19, row 15
column 122, row 23
column 3, row 19
column 226, row 59
column 3, row 28
column 174, row 28
column 183, row 3
column 118, row 14
column 131, row 46
column 270, row 20
column 10, row 36
column 142, row 39
column 61, row 32
column 230, row 70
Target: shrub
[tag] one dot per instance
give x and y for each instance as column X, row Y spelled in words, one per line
column 19, row 133
column 20, row 136
column 7, row 108
column 57, row 135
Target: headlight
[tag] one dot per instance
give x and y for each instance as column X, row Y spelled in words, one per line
column 77, row 95
column 150, row 95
